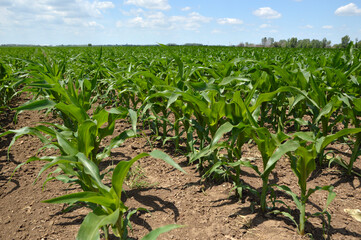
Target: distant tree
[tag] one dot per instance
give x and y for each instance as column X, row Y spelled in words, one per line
column 264, row 41
column 89, row 45
column 283, row 43
column 292, row 42
column 316, row 43
column 345, row 41
column 276, row 44
column 356, row 43
column 325, row 43
column 304, row 43
column 240, row 44
column 270, row 41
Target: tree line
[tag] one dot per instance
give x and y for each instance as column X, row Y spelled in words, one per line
column 303, row 43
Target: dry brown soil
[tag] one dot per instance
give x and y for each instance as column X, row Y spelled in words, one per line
column 208, row 210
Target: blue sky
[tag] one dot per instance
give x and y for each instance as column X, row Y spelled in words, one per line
column 224, row 22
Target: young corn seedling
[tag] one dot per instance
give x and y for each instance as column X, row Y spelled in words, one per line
column 107, row 208
column 303, row 164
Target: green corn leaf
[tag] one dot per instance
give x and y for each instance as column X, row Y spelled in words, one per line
column 73, row 111
column 357, row 103
column 55, row 161
column 245, row 111
column 89, row 229
column 91, row 197
column 321, row 143
column 325, row 110
column 286, row 214
column 101, row 117
column 163, row 156
column 156, row 232
column 206, row 151
column 298, row 98
column 306, row 136
column 172, row 99
column 196, row 101
column 266, row 97
column 331, row 194
column 225, row 128
column 87, row 133
column 21, row 132
column 116, row 142
column 37, row 105
column 286, row 147
column 47, row 130
column 133, row 119
column 292, row 194
column 304, row 166
column 92, row 170
column 120, row 172
column 244, row 163
column 214, row 167
column 319, row 94
column 66, row 146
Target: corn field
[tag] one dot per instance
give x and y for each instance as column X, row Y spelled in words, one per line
column 207, row 103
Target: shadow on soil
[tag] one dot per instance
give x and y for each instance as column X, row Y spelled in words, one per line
column 152, row 204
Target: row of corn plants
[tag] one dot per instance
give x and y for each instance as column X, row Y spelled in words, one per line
column 77, row 140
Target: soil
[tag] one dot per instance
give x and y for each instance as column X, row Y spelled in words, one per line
column 208, row 209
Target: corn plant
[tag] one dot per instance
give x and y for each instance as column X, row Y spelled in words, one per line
column 303, row 164
column 352, row 113
column 107, row 208
column 8, row 87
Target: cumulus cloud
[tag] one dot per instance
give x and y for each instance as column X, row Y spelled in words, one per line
column 233, row 21
column 93, row 24
column 150, row 4
column 350, row 9
column 267, row 13
column 33, row 13
column 193, row 21
column 307, row 26
column 158, row 20
column 104, row 5
column 186, row 9
column 327, row 27
column 216, row 31
column 265, row 25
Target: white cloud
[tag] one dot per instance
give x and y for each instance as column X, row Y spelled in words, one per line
column 153, row 20
column 327, row 27
column 193, row 21
column 104, row 5
column 150, row 4
column 158, row 20
column 267, row 13
column 348, row 10
column 132, row 12
column 216, row 31
column 307, row 26
column 185, row 9
column 35, row 13
column 233, row 21
column 265, row 25
column 93, row 24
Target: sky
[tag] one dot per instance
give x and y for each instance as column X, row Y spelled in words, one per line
column 211, row 22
